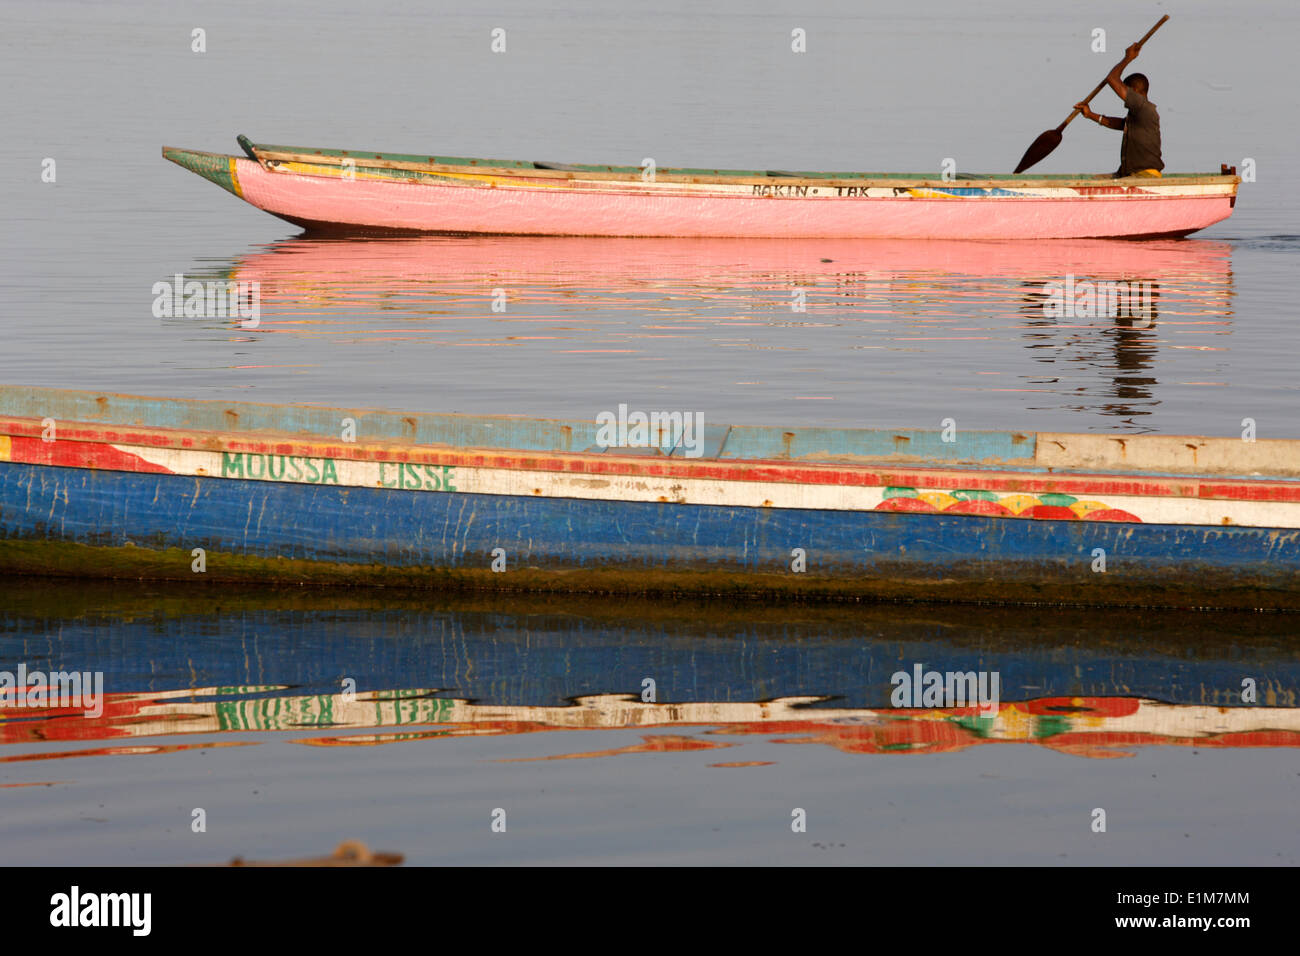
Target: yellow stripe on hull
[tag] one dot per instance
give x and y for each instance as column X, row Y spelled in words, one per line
column 234, row 178
column 359, row 172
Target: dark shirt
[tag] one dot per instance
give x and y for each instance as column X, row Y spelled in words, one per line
column 1140, row 148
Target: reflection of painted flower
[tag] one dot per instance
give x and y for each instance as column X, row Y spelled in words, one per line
column 1049, row 506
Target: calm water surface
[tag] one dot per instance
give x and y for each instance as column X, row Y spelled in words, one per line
column 894, row 334
column 237, row 704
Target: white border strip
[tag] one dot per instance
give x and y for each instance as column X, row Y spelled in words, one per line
column 397, row 476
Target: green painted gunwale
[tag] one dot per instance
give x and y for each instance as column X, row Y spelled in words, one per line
column 361, row 155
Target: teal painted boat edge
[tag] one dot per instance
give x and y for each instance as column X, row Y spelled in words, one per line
column 986, row 448
column 1027, row 452
column 311, row 421
column 719, row 441
column 360, row 154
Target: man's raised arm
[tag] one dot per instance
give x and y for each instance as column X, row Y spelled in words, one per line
column 1113, row 77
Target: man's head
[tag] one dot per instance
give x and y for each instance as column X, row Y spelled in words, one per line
column 1137, row 81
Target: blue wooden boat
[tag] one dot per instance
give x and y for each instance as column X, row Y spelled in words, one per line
column 112, row 485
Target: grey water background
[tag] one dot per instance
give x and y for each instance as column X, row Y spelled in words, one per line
column 100, row 87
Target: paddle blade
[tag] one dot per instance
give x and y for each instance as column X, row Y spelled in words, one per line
column 1039, row 149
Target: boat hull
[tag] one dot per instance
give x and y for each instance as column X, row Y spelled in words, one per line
column 386, row 207
column 137, row 525
column 258, row 493
column 360, row 200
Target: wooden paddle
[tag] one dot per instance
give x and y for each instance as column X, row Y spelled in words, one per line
column 1048, row 141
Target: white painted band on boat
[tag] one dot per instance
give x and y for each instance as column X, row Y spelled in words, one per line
column 677, row 490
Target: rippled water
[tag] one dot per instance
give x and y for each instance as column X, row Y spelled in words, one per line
column 885, row 332
column 882, row 329
column 894, row 334
column 240, row 705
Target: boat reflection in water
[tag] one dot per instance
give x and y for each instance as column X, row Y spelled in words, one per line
column 1080, row 726
column 648, row 297
column 320, row 277
column 178, row 664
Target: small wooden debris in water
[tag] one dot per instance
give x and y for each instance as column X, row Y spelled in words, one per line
column 347, row 853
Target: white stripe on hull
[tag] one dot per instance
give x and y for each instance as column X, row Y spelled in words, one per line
column 677, row 490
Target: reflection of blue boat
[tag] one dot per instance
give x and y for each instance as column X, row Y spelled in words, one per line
column 542, row 654
column 640, row 502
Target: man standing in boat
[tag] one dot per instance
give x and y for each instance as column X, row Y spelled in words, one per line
column 1139, row 152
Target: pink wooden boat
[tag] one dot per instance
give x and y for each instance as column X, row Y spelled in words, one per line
column 351, row 192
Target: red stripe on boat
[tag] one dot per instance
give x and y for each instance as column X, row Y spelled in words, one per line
column 76, row 454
